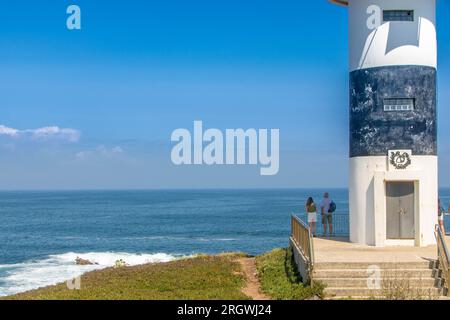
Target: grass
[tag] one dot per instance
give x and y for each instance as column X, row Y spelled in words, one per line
column 202, row 277
column 280, row 279
column 398, row 285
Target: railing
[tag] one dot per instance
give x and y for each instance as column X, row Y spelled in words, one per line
column 444, row 258
column 302, row 236
column 340, row 224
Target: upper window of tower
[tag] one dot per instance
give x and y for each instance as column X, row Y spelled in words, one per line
column 398, row 15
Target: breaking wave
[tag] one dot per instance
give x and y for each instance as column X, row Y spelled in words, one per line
column 20, row 277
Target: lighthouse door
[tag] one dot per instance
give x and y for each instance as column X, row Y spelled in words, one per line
column 400, row 210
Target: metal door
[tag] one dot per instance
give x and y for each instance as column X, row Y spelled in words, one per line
column 400, row 210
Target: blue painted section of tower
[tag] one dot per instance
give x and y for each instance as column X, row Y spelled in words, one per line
column 373, row 130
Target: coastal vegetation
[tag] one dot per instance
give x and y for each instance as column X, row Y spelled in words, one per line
column 203, row 277
column 280, row 279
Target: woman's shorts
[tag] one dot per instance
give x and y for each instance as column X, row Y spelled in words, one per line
column 312, row 217
column 327, row 218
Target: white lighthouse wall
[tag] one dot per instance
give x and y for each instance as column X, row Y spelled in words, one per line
column 367, row 195
column 392, row 43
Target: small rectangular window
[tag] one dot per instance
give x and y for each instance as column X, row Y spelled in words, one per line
column 398, row 15
column 401, row 104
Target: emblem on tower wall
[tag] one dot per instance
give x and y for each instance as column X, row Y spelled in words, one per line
column 400, row 159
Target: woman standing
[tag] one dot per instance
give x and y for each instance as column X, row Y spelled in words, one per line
column 311, row 210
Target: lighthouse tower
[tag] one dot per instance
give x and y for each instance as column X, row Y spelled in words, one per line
column 393, row 183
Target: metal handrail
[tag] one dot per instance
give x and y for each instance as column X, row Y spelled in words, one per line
column 443, row 258
column 340, row 223
column 302, row 235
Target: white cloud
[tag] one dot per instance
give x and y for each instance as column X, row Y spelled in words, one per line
column 117, row 150
column 8, row 131
column 45, row 133
column 42, row 134
column 100, row 151
column 82, row 155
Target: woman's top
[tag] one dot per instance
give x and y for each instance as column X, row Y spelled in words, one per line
column 311, row 208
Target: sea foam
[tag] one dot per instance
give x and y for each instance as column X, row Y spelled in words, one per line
column 20, row 277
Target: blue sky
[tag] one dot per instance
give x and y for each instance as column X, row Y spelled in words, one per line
column 140, row 69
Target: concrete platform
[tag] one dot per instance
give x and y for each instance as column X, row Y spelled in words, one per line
column 341, row 250
column 348, row 270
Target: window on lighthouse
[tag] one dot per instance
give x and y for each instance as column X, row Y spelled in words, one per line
column 399, row 104
column 398, row 15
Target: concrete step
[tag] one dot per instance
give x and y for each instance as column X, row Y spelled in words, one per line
column 358, row 292
column 383, row 265
column 362, row 282
column 363, row 273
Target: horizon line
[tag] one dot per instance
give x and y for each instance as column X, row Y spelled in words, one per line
column 180, row 189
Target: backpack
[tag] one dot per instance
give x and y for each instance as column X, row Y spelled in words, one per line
column 332, row 207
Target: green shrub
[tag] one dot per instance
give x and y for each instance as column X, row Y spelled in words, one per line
column 280, row 279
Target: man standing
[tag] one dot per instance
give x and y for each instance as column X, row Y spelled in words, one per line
column 441, row 216
column 327, row 214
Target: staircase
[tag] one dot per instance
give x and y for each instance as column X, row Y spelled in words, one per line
column 418, row 280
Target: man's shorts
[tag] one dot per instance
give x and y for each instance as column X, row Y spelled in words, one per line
column 327, row 218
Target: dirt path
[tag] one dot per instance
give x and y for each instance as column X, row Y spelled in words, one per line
column 252, row 288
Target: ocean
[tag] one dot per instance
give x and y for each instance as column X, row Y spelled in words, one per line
column 43, row 232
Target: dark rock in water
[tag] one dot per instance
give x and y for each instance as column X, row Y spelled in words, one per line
column 84, row 262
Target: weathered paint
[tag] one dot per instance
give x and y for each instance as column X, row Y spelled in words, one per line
column 373, row 131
